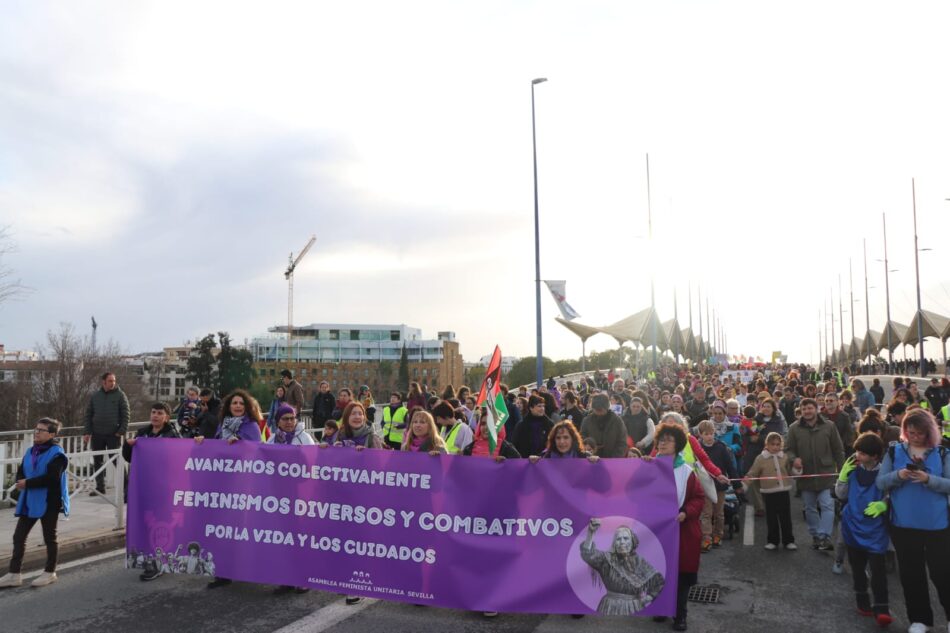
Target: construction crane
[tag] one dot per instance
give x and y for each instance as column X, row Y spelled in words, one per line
column 289, row 276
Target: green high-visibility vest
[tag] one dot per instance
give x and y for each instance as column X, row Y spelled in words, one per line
column 394, row 423
column 945, row 414
column 450, row 446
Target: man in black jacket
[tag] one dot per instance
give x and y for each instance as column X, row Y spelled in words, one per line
column 207, row 424
column 107, row 418
column 160, row 426
column 323, row 405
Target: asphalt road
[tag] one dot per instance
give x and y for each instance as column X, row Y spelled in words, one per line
column 761, row 591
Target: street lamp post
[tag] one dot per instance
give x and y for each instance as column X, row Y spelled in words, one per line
column 652, row 260
column 920, row 319
column 539, row 365
column 887, row 293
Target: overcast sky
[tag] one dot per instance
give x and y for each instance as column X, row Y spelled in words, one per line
column 159, row 161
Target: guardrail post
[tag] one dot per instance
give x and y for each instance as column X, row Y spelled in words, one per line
column 119, row 491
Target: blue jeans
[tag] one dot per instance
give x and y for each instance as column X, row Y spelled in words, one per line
column 820, row 526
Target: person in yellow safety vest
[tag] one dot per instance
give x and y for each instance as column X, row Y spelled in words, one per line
column 394, row 420
column 456, row 433
column 840, row 379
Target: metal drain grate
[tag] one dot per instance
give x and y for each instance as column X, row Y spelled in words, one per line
column 704, row 594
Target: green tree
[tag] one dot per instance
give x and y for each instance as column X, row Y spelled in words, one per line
column 235, row 366
column 523, row 372
column 474, row 377
column 201, row 369
column 566, row 366
column 404, row 369
column 264, row 394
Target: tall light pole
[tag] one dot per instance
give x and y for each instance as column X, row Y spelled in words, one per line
column 699, row 307
column 841, row 315
column 679, row 336
column 920, row 316
column 831, row 308
column 887, row 293
column 650, row 228
column 539, row 365
column 854, row 352
column 820, row 356
column 867, row 305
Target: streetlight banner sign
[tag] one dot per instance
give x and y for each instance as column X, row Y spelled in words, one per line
column 558, row 290
column 556, row 536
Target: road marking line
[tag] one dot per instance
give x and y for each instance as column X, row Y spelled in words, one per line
column 329, row 616
column 77, row 563
column 748, row 530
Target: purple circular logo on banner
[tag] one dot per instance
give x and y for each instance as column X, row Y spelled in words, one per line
column 586, row 582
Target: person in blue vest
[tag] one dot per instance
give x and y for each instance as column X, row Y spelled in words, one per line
column 394, row 421
column 916, row 473
column 41, row 480
column 864, row 526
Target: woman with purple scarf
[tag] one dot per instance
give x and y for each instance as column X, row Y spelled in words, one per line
column 241, row 419
column 41, row 481
column 356, row 429
column 289, row 432
column 564, row 442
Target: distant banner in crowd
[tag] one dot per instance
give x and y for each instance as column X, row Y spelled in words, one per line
column 558, row 536
column 745, row 375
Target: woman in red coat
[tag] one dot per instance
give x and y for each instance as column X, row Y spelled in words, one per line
column 670, row 441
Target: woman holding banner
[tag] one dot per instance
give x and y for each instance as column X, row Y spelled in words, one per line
column 356, row 430
column 240, row 420
column 423, row 436
column 564, row 442
column 671, row 441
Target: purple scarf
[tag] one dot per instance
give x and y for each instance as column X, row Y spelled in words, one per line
column 39, row 449
column 285, row 438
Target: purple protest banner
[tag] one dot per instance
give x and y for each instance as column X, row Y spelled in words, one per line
column 557, row 536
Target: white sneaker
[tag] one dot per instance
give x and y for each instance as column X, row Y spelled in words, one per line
column 771, row 546
column 837, row 568
column 918, row 627
column 11, row 580
column 46, row 578
column 791, row 547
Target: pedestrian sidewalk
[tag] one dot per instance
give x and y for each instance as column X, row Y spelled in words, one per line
column 90, row 529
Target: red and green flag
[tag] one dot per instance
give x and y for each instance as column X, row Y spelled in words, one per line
column 491, row 397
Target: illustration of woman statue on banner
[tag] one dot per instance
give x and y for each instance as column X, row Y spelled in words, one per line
column 631, row 582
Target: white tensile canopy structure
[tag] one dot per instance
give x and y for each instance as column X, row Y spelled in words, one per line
column 583, row 332
column 897, row 332
column 638, row 328
column 869, row 345
column 934, row 326
column 689, row 343
column 674, row 336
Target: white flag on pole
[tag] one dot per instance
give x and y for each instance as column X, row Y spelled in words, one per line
column 558, row 291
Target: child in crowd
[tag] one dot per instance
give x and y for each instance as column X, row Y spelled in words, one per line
column 863, row 525
column 773, row 463
column 189, row 409
column 330, row 429
column 712, row 518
